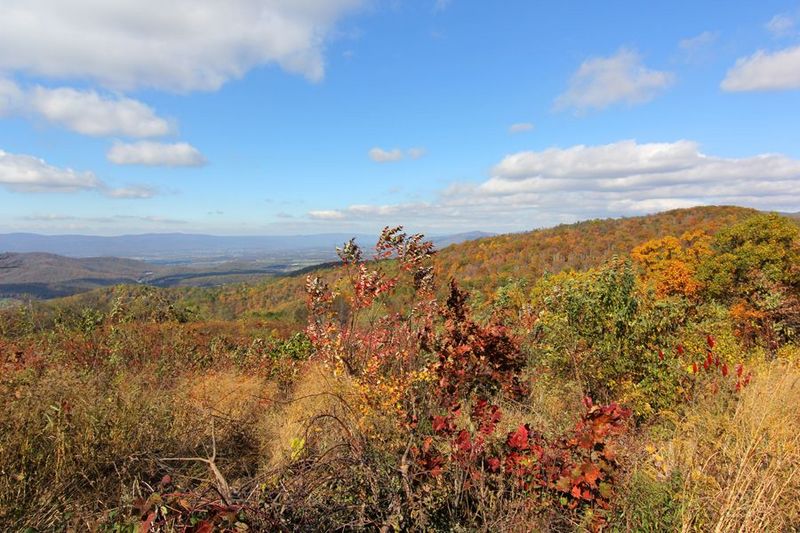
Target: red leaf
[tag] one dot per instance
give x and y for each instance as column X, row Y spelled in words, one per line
column 591, row 473
column 724, row 369
column 204, row 527
column 463, row 441
column 145, row 525
column 519, row 439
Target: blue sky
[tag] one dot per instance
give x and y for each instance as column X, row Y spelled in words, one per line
column 306, row 116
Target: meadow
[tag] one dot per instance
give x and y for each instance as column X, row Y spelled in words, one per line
column 635, row 374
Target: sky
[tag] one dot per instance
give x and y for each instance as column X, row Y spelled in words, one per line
column 271, row 117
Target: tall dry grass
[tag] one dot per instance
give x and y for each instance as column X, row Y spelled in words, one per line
column 77, row 446
column 740, row 457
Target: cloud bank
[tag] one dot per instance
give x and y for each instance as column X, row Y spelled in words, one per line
column 535, row 188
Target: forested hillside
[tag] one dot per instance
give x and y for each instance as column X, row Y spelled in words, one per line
column 483, row 265
column 636, row 374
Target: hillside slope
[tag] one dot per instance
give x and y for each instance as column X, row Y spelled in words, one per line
column 49, row 275
column 485, row 264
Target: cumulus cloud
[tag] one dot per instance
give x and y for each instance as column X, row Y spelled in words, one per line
column 89, row 113
column 180, row 45
column 520, row 127
column 26, row 173
column 83, row 111
column 765, row 71
column 603, row 81
column 151, row 153
column 535, row 188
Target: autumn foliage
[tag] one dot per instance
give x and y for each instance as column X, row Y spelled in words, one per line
column 633, row 375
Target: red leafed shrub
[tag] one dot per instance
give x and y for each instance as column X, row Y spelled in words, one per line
column 442, row 377
column 474, row 358
column 578, row 469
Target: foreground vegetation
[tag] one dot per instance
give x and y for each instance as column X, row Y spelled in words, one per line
column 591, row 383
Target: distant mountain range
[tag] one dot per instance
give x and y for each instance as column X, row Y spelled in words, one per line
column 41, row 266
column 181, row 247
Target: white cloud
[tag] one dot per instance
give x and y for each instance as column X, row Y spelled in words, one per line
column 179, row 45
column 781, row 25
column 379, row 155
column 765, row 71
column 26, row 173
column 520, row 127
column 326, row 215
column 83, row 111
column 536, row 188
column 130, row 193
column 156, row 154
column 602, row 81
column 89, row 113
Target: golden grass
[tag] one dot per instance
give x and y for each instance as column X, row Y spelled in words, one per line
column 77, row 443
column 740, row 458
column 290, row 421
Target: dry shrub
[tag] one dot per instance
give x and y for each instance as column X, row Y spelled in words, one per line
column 740, row 457
column 76, row 444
